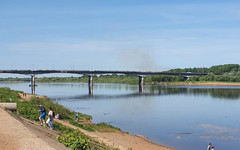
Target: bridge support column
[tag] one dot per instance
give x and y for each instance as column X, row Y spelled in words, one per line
column 33, row 85
column 141, row 83
column 90, row 85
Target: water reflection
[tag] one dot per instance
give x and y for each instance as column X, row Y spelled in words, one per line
column 216, row 92
column 230, row 93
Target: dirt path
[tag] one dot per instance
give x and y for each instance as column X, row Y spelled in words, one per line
column 28, row 97
column 121, row 140
column 17, row 134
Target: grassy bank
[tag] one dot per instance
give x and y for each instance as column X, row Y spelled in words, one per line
column 69, row 137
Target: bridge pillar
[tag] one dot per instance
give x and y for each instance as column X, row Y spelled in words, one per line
column 90, row 85
column 33, row 85
column 141, row 83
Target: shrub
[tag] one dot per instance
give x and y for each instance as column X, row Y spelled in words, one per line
column 75, row 140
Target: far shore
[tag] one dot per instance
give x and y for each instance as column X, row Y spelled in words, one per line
column 186, row 83
column 198, row 83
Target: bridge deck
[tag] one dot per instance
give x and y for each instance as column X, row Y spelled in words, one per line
column 98, row 72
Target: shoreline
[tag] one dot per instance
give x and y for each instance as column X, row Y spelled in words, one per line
column 198, row 84
column 121, row 140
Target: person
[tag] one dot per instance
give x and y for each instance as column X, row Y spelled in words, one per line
column 50, row 118
column 57, row 116
column 213, row 148
column 90, row 120
column 76, row 116
column 43, row 114
column 209, row 146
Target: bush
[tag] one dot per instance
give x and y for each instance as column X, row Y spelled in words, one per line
column 28, row 110
column 75, row 140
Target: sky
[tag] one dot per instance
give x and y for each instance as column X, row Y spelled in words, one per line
column 140, row 35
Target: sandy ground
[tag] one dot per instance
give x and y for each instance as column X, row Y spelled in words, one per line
column 121, row 140
column 17, row 134
column 27, row 97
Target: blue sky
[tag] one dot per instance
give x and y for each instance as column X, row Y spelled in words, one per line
column 151, row 35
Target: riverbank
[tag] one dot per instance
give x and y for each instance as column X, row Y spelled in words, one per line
column 120, row 140
column 114, row 138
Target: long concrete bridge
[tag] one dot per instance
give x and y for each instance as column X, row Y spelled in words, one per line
column 140, row 74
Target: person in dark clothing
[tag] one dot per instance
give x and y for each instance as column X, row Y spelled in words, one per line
column 43, row 114
column 76, row 116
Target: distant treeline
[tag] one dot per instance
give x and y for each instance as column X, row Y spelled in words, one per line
column 220, row 69
column 126, row 79
column 220, row 73
column 15, row 79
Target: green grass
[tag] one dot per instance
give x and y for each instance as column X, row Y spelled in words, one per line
column 104, row 127
column 87, row 127
column 6, row 95
column 80, row 116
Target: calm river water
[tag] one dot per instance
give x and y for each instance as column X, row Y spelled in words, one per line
column 183, row 117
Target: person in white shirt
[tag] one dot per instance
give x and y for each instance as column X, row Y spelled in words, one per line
column 50, row 118
column 209, row 146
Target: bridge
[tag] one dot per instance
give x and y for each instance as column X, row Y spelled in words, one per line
column 140, row 74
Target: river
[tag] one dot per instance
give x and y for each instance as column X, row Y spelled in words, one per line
column 183, row 117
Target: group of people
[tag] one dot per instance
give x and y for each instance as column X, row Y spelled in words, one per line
column 43, row 116
column 210, row 146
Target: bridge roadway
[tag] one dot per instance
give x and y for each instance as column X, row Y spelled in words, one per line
column 98, row 72
column 140, row 74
